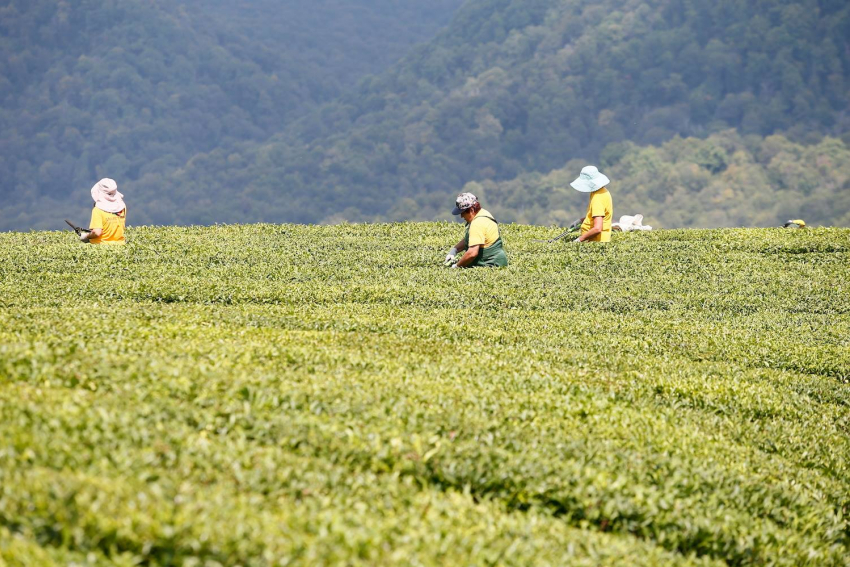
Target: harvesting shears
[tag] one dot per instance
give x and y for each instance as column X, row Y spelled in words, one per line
column 573, row 228
column 77, row 229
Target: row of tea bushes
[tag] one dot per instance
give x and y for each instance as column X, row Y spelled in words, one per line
column 299, row 395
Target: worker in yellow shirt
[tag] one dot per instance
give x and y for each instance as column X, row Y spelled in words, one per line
column 108, row 216
column 482, row 240
column 596, row 226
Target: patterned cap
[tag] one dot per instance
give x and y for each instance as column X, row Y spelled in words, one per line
column 463, row 202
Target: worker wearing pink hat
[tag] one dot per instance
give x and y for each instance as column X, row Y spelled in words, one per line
column 108, row 216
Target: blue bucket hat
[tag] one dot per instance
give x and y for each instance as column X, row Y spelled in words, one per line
column 590, row 180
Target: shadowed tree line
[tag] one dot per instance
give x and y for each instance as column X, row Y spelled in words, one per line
column 134, row 89
column 508, row 92
column 726, row 180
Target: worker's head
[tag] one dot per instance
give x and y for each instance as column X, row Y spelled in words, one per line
column 465, row 204
column 106, row 196
column 590, row 180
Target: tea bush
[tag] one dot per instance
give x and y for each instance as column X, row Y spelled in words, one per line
column 294, row 395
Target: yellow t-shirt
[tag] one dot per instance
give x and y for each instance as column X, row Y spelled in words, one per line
column 600, row 205
column 483, row 231
column 112, row 225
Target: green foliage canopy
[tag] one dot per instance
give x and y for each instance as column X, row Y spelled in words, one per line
column 513, row 88
column 724, row 180
column 509, row 88
column 133, row 90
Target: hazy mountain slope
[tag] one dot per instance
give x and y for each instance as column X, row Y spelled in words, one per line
column 338, row 41
column 510, row 88
column 513, row 86
column 131, row 89
column 725, row 180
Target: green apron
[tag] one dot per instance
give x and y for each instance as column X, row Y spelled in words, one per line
column 491, row 257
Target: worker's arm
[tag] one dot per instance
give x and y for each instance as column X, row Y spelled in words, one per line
column 459, row 247
column 469, row 256
column 596, row 229
column 92, row 233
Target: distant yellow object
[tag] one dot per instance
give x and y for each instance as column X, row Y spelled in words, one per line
column 798, row 223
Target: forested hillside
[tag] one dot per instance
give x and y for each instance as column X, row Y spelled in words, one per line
column 133, row 89
column 509, row 90
column 723, row 181
column 512, row 88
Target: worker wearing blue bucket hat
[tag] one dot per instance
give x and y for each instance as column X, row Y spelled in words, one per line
column 596, row 226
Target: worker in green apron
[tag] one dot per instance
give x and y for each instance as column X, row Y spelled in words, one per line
column 482, row 240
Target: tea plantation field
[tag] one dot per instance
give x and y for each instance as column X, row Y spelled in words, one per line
column 293, row 395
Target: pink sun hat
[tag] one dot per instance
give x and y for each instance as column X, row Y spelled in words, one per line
column 106, row 196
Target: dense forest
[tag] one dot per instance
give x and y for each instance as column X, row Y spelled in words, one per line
column 686, row 101
column 724, row 180
column 134, row 88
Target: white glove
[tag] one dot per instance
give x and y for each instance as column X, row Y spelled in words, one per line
column 84, row 235
column 450, row 257
column 453, row 266
column 577, row 239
